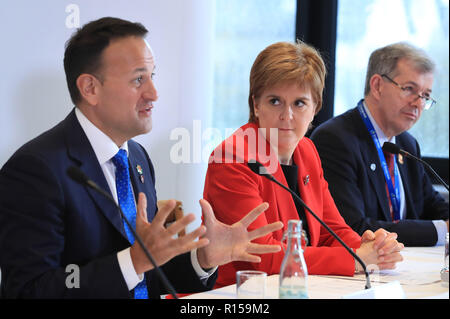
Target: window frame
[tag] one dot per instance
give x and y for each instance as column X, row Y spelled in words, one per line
column 316, row 24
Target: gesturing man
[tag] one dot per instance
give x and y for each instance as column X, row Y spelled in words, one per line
column 47, row 221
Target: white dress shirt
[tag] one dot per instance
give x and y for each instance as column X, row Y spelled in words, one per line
column 441, row 226
column 105, row 149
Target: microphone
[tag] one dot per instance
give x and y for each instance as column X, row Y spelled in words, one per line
column 395, row 149
column 78, row 176
column 259, row 169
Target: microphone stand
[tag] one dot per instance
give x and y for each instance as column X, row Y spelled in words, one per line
column 254, row 166
column 427, row 166
column 395, row 149
column 78, row 176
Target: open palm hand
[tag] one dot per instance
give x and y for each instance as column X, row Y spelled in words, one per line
column 233, row 243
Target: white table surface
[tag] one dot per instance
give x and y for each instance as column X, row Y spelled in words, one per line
column 418, row 275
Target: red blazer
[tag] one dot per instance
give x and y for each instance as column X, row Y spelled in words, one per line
column 233, row 190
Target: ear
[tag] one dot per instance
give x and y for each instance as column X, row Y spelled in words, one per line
column 255, row 106
column 89, row 86
column 375, row 85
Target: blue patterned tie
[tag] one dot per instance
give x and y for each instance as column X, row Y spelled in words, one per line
column 126, row 202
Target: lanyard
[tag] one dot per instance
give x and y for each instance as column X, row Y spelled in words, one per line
column 394, row 193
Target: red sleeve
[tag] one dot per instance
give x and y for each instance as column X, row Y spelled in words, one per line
column 233, row 190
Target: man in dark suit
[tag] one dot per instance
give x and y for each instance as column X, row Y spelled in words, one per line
column 398, row 88
column 50, row 225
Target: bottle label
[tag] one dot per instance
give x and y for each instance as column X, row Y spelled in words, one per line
column 293, row 292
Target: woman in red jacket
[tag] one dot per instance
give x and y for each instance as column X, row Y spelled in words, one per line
column 286, row 84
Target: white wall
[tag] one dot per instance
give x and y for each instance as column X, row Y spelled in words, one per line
column 33, row 90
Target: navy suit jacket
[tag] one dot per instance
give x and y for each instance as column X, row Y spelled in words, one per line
column 347, row 152
column 48, row 221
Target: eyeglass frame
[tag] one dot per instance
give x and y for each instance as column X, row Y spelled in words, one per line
column 424, row 99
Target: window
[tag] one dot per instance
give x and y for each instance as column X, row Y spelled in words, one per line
column 243, row 29
column 378, row 23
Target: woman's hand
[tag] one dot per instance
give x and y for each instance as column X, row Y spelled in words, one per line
column 380, row 248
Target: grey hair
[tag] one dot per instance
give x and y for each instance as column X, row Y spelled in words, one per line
column 384, row 61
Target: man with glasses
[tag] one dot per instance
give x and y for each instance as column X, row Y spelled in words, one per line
column 375, row 190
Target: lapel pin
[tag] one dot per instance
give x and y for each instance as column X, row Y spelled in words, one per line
column 140, row 172
column 400, row 158
column 373, row 167
column 306, row 180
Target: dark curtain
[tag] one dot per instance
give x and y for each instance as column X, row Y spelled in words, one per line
column 316, row 25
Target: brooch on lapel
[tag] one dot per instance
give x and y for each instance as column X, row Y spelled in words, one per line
column 400, row 158
column 306, row 180
column 140, row 172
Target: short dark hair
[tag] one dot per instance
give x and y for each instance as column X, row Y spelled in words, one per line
column 85, row 47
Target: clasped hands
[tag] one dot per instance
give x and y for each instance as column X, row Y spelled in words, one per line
column 217, row 242
column 380, row 248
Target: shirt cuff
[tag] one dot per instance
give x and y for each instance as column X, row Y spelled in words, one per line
column 126, row 266
column 441, row 229
column 202, row 274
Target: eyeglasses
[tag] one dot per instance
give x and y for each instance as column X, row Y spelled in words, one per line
column 410, row 91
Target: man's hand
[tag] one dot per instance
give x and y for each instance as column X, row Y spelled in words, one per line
column 233, row 243
column 159, row 240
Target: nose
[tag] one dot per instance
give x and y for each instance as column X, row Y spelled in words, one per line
column 150, row 93
column 287, row 113
column 418, row 102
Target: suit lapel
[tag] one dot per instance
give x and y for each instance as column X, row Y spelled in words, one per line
column 141, row 177
column 372, row 164
column 136, row 180
column 79, row 149
column 307, row 195
column 403, row 168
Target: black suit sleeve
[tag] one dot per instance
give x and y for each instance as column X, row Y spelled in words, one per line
column 182, row 276
column 32, row 239
column 343, row 172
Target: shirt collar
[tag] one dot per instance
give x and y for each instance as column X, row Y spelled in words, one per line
column 103, row 145
column 381, row 136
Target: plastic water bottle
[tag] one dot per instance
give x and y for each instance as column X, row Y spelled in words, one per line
column 293, row 272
